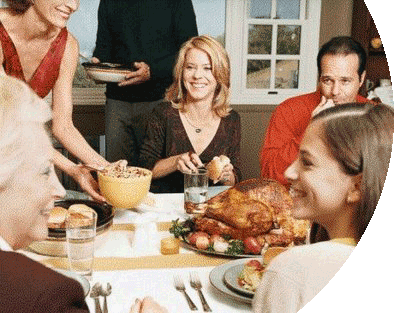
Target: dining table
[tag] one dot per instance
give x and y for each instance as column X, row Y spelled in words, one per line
column 128, row 257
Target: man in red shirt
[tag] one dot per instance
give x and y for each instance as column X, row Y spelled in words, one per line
column 341, row 66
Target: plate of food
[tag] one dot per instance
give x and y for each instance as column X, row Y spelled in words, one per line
column 245, row 277
column 107, row 72
column 217, row 281
column 240, row 278
column 55, row 244
column 243, row 221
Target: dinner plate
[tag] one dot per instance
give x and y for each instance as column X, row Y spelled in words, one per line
column 55, row 244
column 107, row 72
column 231, row 279
column 80, row 279
column 107, row 75
column 105, row 215
column 217, row 281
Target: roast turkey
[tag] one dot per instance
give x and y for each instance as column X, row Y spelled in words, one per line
column 256, row 207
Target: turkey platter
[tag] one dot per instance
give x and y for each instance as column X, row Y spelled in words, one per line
column 247, row 218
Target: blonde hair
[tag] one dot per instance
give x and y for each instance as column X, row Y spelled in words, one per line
column 22, row 117
column 219, row 59
column 360, row 137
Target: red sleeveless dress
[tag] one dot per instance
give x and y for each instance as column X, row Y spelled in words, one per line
column 46, row 74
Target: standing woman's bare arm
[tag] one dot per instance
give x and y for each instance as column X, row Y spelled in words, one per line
column 63, row 127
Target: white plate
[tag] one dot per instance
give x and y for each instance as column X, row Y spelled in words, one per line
column 107, row 75
column 80, row 279
column 231, row 280
column 217, row 281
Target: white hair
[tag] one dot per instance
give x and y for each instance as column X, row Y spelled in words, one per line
column 22, row 115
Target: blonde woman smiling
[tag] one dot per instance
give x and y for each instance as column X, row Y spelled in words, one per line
column 196, row 123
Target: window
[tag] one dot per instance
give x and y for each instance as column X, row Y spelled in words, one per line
column 273, row 46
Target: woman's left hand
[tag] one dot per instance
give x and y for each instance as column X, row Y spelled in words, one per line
column 83, row 177
column 227, row 176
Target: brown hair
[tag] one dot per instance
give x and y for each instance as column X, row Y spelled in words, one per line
column 360, row 138
column 19, row 6
column 176, row 93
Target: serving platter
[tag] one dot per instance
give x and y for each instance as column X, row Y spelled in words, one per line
column 55, row 244
column 107, row 72
column 190, row 247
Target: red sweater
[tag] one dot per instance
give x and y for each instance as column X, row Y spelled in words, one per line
column 285, row 132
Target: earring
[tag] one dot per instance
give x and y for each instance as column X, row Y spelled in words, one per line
column 353, row 196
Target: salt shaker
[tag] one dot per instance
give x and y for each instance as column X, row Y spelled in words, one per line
column 145, row 237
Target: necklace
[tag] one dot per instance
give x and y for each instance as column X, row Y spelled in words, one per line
column 196, row 128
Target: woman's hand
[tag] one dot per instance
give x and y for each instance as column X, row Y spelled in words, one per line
column 227, row 176
column 188, row 162
column 83, row 177
column 147, row 305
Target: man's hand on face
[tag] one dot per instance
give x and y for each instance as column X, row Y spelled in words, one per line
column 323, row 105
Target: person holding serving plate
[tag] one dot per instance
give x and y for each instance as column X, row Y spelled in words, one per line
column 37, row 48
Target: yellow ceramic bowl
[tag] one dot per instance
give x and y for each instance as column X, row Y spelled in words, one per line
column 125, row 193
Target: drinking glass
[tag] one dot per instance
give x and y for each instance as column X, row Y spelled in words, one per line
column 81, row 233
column 196, row 191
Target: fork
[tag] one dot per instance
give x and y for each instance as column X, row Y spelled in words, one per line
column 196, row 284
column 179, row 285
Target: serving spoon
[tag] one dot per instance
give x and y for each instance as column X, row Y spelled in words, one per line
column 94, row 167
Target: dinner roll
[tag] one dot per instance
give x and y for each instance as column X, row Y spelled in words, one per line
column 57, row 217
column 215, row 166
column 82, row 212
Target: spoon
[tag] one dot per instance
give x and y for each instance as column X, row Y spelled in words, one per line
column 106, row 292
column 95, row 293
column 94, row 167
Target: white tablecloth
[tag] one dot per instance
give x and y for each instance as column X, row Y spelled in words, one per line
column 158, row 283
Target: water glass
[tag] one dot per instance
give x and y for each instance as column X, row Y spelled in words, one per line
column 196, row 191
column 81, row 233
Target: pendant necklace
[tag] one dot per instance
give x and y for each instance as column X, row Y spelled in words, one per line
column 196, row 128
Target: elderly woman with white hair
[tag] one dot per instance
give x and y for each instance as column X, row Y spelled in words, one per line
column 28, row 188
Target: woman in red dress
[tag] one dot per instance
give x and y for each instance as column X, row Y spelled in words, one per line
column 37, row 48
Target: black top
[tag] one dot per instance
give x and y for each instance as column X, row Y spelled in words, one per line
column 166, row 137
column 28, row 286
column 143, row 30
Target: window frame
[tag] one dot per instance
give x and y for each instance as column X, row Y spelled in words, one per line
column 237, row 26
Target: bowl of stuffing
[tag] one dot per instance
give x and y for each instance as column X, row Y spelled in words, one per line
column 124, row 187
